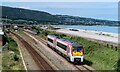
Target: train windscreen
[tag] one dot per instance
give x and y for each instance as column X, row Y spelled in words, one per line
column 77, row 49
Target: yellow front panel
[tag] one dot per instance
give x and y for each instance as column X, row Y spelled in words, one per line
column 77, row 53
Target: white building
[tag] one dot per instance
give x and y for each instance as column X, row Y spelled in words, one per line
column 1, row 37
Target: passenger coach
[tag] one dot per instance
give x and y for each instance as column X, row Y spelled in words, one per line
column 73, row 51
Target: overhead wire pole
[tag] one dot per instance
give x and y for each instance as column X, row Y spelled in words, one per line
column 6, row 20
column 5, row 23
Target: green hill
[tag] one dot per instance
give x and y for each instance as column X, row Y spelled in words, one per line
column 25, row 14
column 20, row 16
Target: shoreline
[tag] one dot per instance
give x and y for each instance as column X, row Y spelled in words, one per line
column 95, row 31
column 96, row 35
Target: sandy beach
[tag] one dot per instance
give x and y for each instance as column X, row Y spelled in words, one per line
column 103, row 36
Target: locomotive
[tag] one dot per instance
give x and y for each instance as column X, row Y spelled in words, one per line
column 73, row 51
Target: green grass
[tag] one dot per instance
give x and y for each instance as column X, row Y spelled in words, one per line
column 11, row 59
column 102, row 57
column 20, row 31
column 97, row 55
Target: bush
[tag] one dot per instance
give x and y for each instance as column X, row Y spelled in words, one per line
column 118, row 66
column 12, row 45
column 116, row 48
column 16, row 58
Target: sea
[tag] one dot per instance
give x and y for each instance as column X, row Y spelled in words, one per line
column 110, row 29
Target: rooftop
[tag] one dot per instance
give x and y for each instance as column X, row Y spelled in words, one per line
column 1, row 32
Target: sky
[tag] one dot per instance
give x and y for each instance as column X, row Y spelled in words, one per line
column 59, row 0
column 97, row 10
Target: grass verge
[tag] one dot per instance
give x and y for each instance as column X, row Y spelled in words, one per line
column 11, row 59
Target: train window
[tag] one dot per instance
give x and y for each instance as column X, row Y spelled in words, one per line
column 50, row 40
column 77, row 49
column 61, row 45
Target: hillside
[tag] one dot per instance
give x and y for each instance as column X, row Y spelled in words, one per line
column 25, row 14
column 73, row 20
column 19, row 15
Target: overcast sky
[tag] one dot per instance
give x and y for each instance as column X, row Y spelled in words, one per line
column 99, row 10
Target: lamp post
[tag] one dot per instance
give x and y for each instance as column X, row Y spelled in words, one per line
column 6, row 20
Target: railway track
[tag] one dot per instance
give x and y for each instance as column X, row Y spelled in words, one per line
column 42, row 64
column 81, row 68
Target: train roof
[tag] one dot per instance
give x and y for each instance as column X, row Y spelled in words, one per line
column 77, row 44
column 69, row 41
column 54, row 36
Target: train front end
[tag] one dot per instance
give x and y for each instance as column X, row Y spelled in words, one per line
column 77, row 53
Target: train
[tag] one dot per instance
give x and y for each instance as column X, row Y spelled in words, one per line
column 73, row 51
column 15, row 28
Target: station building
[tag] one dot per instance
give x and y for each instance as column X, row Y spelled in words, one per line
column 1, row 37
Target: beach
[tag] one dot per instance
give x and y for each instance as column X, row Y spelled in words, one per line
column 101, row 36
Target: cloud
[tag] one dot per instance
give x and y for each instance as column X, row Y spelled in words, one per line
column 25, row 7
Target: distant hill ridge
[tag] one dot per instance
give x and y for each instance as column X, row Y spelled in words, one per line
column 25, row 14
column 40, row 17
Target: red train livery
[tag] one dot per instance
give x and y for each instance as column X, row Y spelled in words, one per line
column 73, row 51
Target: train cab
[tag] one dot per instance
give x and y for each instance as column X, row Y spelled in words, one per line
column 77, row 52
